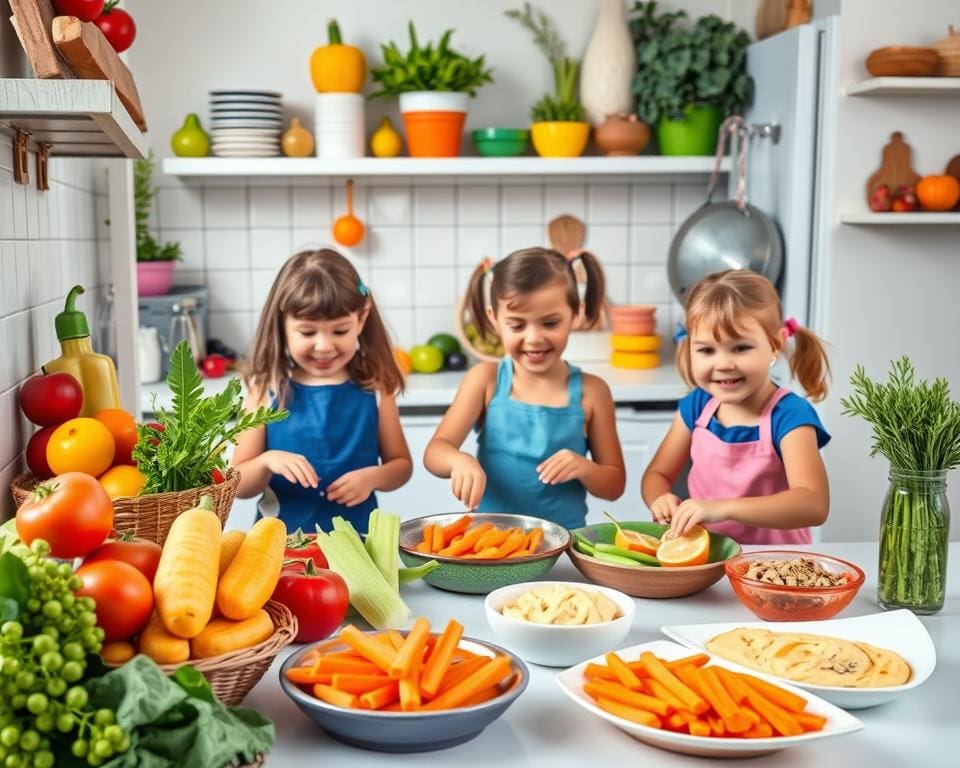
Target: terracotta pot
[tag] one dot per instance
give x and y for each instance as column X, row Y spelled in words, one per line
column 433, row 122
column 621, row 135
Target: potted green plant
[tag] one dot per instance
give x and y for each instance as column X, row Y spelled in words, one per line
column 688, row 80
column 433, row 83
column 559, row 127
column 154, row 261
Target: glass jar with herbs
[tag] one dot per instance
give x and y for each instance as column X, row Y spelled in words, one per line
column 916, row 427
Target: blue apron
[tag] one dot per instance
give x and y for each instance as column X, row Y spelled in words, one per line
column 336, row 427
column 516, row 437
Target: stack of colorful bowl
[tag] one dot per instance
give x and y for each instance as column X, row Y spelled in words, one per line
column 635, row 345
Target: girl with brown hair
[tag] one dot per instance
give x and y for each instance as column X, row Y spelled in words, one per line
column 756, row 474
column 322, row 352
column 537, row 415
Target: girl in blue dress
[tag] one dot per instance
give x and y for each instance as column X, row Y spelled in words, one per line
column 538, row 417
column 322, row 352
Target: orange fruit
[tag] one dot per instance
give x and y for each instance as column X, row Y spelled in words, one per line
column 638, row 542
column 403, row 360
column 122, row 480
column 123, row 427
column 680, row 551
column 80, row 445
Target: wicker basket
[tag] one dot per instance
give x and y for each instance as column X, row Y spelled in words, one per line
column 150, row 516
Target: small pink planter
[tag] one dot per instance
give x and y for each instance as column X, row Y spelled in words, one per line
column 154, row 278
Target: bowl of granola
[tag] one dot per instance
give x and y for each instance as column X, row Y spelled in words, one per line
column 788, row 585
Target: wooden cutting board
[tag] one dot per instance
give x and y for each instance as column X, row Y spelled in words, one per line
column 896, row 170
column 32, row 20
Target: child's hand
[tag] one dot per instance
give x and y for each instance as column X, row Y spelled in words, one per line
column 563, row 466
column 693, row 512
column 351, row 488
column 664, row 507
column 468, row 480
column 292, row 466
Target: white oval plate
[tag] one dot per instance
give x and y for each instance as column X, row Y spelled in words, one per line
column 898, row 631
column 237, row 123
column 254, row 101
column 234, row 133
column 271, row 147
column 838, row 721
column 251, row 93
column 245, row 108
column 244, row 153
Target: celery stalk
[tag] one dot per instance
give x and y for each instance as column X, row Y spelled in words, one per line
column 406, row 575
column 383, row 539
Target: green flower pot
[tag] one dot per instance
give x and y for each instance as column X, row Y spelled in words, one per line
column 694, row 134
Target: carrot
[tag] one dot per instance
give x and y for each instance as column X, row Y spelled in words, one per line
column 513, row 542
column 688, row 675
column 308, row 676
column 534, row 537
column 395, row 639
column 410, row 686
column 380, row 697
column 713, row 691
column 666, row 678
column 489, row 674
column 357, row 683
column 788, row 701
column 640, row 716
column 521, row 553
column 492, row 538
column 333, row 696
column 751, row 713
column 490, row 553
column 778, row 717
column 392, row 707
column 437, row 544
column 428, row 536
column 466, row 544
column 697, row 660
column 455, row 528
column 346, row 665
column 715, row 723
column 699, row 727
column 809, row 721
column 485, row 695
column 759, row 731
column 733, row 684
column 617, row 692
column 423, row 548
column 439, row 661
column 461, row 671
column 624, row 674
column 658, row 689
column 412, row 650
column 599, row 672
column 678, row 720
column 462, row 653
column 366, row 646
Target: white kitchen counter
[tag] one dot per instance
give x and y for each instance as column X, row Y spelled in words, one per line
column 544, row 728
column 436, row 390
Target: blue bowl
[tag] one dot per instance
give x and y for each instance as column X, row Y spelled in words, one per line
column 406, row 731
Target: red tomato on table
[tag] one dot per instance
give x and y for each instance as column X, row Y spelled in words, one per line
column 301, row 546
column 142, row 554
column 72, row 512
column 123, row 595
column 318, row 598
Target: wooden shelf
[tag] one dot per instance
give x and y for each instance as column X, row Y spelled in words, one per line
column 906, row 86
column 74, row 117
column 900, row 219
column 280, row 167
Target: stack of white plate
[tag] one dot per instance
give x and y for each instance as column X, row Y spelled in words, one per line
column 246, row 123
column 339, row 125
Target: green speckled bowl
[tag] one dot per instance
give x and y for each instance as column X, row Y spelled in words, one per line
column 478, row 577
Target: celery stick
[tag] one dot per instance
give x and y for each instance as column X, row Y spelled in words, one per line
column 383, row 539
column 407, row 575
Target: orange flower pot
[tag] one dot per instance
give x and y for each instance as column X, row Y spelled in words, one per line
column 434, row 134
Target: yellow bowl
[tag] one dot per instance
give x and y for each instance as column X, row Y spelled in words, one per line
column 560, row 139
column 623, row 343
column 635, row 360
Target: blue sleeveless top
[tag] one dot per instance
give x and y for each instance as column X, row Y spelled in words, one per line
column 516, row 437
column 336, row 427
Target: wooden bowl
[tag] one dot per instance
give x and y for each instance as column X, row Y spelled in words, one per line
column 903, row 61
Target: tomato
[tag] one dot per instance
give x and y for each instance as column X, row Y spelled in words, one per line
column 124, row 597
column 85, row 10
column 123, row 427
column 214, row 366
column 52, row 399
column 81, row 445
column 157, row 427
column 142, row 554
column 71, row 512
column 37, row 452
column 217, row 476
column 300, row 546
column 122, row 480
column 118, row 27
column 318, row 598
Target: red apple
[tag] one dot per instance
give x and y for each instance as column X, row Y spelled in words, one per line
column 881, row 199
column 37, row 452
column 905, row 201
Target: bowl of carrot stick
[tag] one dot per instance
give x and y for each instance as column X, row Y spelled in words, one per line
column 403, row 691
column 480, row 552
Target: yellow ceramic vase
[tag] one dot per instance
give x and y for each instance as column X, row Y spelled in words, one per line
column 560, row 139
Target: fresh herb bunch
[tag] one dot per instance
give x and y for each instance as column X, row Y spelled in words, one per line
column 564, row 104
column 675, row 66
column 916, row 426
column 190, row 445
column 428, row 68
column 148, row 249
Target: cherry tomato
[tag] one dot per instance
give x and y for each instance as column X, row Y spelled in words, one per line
column 51, row 399
column 124, row 597
column 217, row 476
column 72, row 512
column 157, row 427
column 302, row 546
column 81, row 445
column 123, row 427
column 85, row 10
column 142, row 554
column 214, row 366
column 318, row 598
column 37, row 452
column 118, row 27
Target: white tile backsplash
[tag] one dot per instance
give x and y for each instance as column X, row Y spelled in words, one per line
column 609, row 243
column 390, row 247
column 434, row 246
column 516, row 238
column 433, row 320
column 8, row 278
column 227, row 249
column 229, row 290
column 434, row 205
column 618, row 283
column 225, row 207
column 392, row 286
column 179, row 208
column 478, row 204
column 311, row 208
column 608, row 204
column 232, row 328
column 435, row 287
column 269, row 248
column 269, row 206
column 191, row 247
column 19, row 211
column 389, row 206
column 650, row 244
column 651, row 204
column 399, row 324
column 648, row 285
column 564, row 198
column 477, row 243
column 521, row 205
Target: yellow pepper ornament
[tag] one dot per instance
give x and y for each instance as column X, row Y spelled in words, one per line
column 386, row 142
column 335, row 67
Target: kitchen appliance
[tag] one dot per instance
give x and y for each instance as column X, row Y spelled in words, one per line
column 149, row 355
column 184, row 327
column 157, row 312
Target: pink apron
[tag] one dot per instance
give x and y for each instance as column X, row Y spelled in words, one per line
column 738, row 470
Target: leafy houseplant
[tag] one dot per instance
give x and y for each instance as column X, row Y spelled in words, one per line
column 563, row 106
column 688, row 80
column 433, row 83
column 916, row 427
column 154, row 261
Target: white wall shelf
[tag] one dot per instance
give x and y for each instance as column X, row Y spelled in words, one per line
column 280, row 167
column 906, row 86
column 900, row 219
column 75, row 117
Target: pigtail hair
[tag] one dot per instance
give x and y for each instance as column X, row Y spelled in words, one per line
column 684, row 365
column 595, row 286
column 477, row 300
column 809, row 364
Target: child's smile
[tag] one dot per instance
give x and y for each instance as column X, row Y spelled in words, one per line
column 535, row 329
column 733, row 368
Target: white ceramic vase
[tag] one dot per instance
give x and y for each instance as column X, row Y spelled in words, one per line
column 609, row 64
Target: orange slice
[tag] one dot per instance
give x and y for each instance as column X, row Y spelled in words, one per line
column 692, row 549
column 638, row 542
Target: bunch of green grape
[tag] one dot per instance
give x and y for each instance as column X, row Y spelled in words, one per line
column 42, row 663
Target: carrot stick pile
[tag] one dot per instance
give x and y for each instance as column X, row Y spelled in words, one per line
column 687, row 696
column 387, row 672
column 482, row 541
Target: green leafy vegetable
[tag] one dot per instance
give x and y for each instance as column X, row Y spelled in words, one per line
column 14, row 580
column 148, row 249
column 195, row 432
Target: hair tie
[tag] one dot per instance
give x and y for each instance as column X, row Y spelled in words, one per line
column 680, row 334
column 791, row 325
column 486, row 281
column 361, row 288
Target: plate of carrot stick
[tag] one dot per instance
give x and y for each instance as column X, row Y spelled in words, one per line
column 699, row 704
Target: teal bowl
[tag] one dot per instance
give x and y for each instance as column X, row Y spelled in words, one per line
column 479, row 577
column 501, row 142
column 650, row 581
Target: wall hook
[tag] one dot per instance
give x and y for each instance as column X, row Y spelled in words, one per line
column 20, row 157
column 43, row 155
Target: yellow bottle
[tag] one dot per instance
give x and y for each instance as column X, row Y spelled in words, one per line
column 95, row 372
